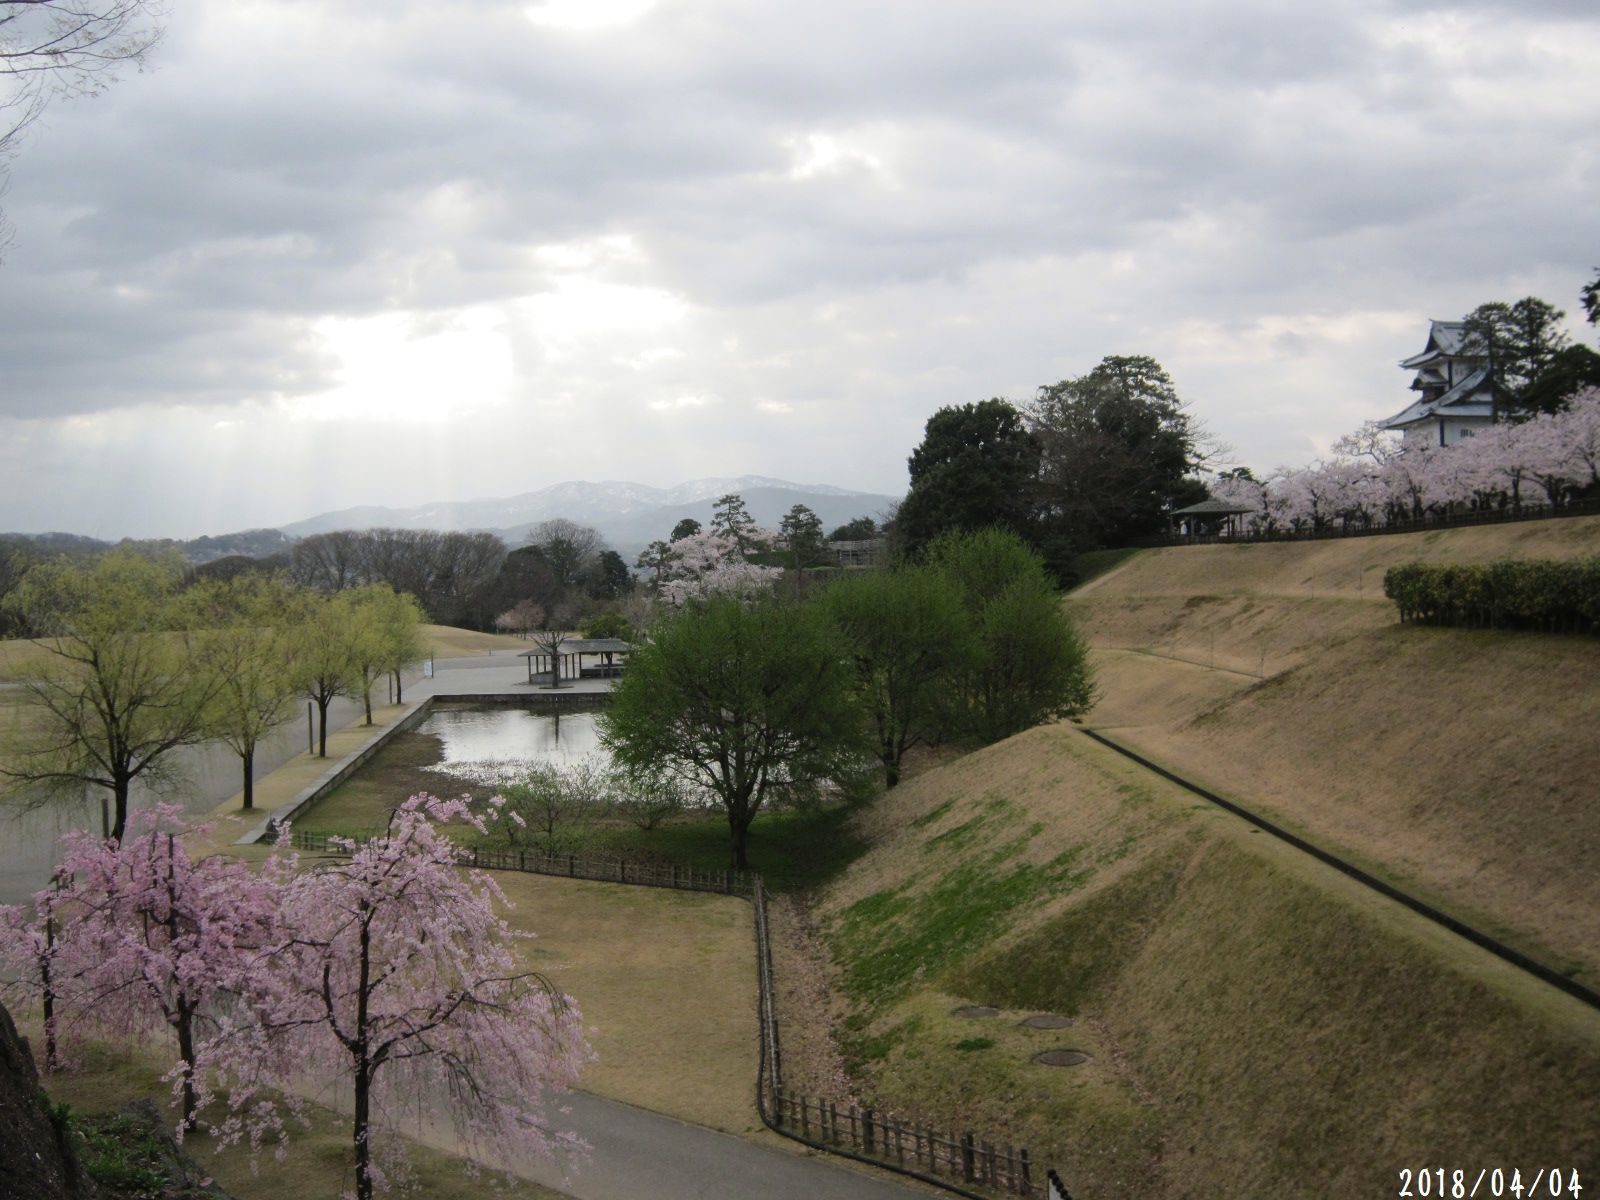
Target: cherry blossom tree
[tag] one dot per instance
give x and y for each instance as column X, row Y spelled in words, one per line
column 160, row 941
column 36, row 961
column 400, row 974
column 714, row 564
column 1370, row 480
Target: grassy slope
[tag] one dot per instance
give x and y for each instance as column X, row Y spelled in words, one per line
column 1258, row 1025
column 1459, row 763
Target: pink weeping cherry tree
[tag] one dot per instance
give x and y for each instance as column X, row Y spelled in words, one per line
column 36, row 961
column 158, row 941
column 399, row 974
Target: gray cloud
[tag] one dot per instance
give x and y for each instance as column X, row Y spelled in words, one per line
column 1000, row 195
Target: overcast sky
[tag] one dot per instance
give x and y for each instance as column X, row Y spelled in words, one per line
column 329, row 254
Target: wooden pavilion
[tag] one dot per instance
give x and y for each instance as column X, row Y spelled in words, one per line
column 1209, row 518
column 607, row 658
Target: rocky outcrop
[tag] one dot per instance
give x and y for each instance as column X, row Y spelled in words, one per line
column 36, row 1154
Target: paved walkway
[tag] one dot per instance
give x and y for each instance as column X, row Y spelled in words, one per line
column 640, row 1155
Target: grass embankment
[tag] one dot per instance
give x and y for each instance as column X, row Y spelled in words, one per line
column 1458, row 764
column 1256, row 1025
column 447, row 641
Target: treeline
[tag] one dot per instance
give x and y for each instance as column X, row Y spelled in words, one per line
column 1561, row 597
column 135, row 661
column 1090, row 462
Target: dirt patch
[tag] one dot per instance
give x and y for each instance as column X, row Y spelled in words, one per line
column 808, row 1007
column 974, row 1011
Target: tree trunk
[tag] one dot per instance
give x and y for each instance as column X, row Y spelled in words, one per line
column 362, row 1129
column 185, row 1025
column 741, row 834
column 322, row 726
column 250, row 777
column 52, row 1058
column 398, row 699
column 119, row 795
column 366, row 698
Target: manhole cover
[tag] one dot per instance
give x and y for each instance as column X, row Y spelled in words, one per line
column 1060, row 1058
column 1048, row 1021
column 974, row 1010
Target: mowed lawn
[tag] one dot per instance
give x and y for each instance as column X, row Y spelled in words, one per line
column 666, row 982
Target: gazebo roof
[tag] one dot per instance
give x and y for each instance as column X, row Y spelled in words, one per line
column 585, row 646
column 1211, row 508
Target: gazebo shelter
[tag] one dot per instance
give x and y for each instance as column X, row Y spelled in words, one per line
column 1209, row 518
column 608, row 651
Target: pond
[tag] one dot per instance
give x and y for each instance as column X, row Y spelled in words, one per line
column 502, row 735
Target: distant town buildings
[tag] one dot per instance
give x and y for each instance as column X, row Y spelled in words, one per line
column 1455, row 395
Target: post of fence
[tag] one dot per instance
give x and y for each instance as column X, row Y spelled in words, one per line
column 1027, row 1178
column 866, row 1129
column 968, row 1158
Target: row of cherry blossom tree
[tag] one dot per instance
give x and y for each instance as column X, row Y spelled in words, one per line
column 1373, row 480
column 388, row 977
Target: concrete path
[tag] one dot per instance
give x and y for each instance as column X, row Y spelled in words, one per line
column 639, row 1155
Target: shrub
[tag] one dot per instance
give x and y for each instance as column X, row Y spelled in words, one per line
column 1557, row 597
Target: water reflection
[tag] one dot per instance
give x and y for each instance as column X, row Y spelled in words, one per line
column 499, row 734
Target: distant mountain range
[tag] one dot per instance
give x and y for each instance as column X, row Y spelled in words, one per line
column 628, row 515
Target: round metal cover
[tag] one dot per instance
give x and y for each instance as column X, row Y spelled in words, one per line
column 1060, row 1058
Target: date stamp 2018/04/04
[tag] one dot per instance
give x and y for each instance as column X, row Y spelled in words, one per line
column 1489, row 1181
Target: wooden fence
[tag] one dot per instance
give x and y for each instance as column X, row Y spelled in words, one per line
column 910, row 1147
column 602, row 870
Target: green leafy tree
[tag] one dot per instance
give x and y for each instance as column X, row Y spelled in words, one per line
column 750, row 703
column 687, row 527
column 802, row 530
column 1118, row 450
column 399, row 621
column 117, row 692
column 977, row 467
column 1572, row 369
column 861, row 529
column 608, row 576
column 1591, row 298
column 656, row 558
column 731, row 518
column 1030, row 665
column 324, row 658
column 385, row 631
column 911, row 642
column 1518, row 341
column 569, row 548
column 608, row 624
column 244, row 643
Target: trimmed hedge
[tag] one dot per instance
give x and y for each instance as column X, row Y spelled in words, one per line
column 1557, row 597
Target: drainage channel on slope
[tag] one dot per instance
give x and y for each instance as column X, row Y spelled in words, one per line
column 1482, row 940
